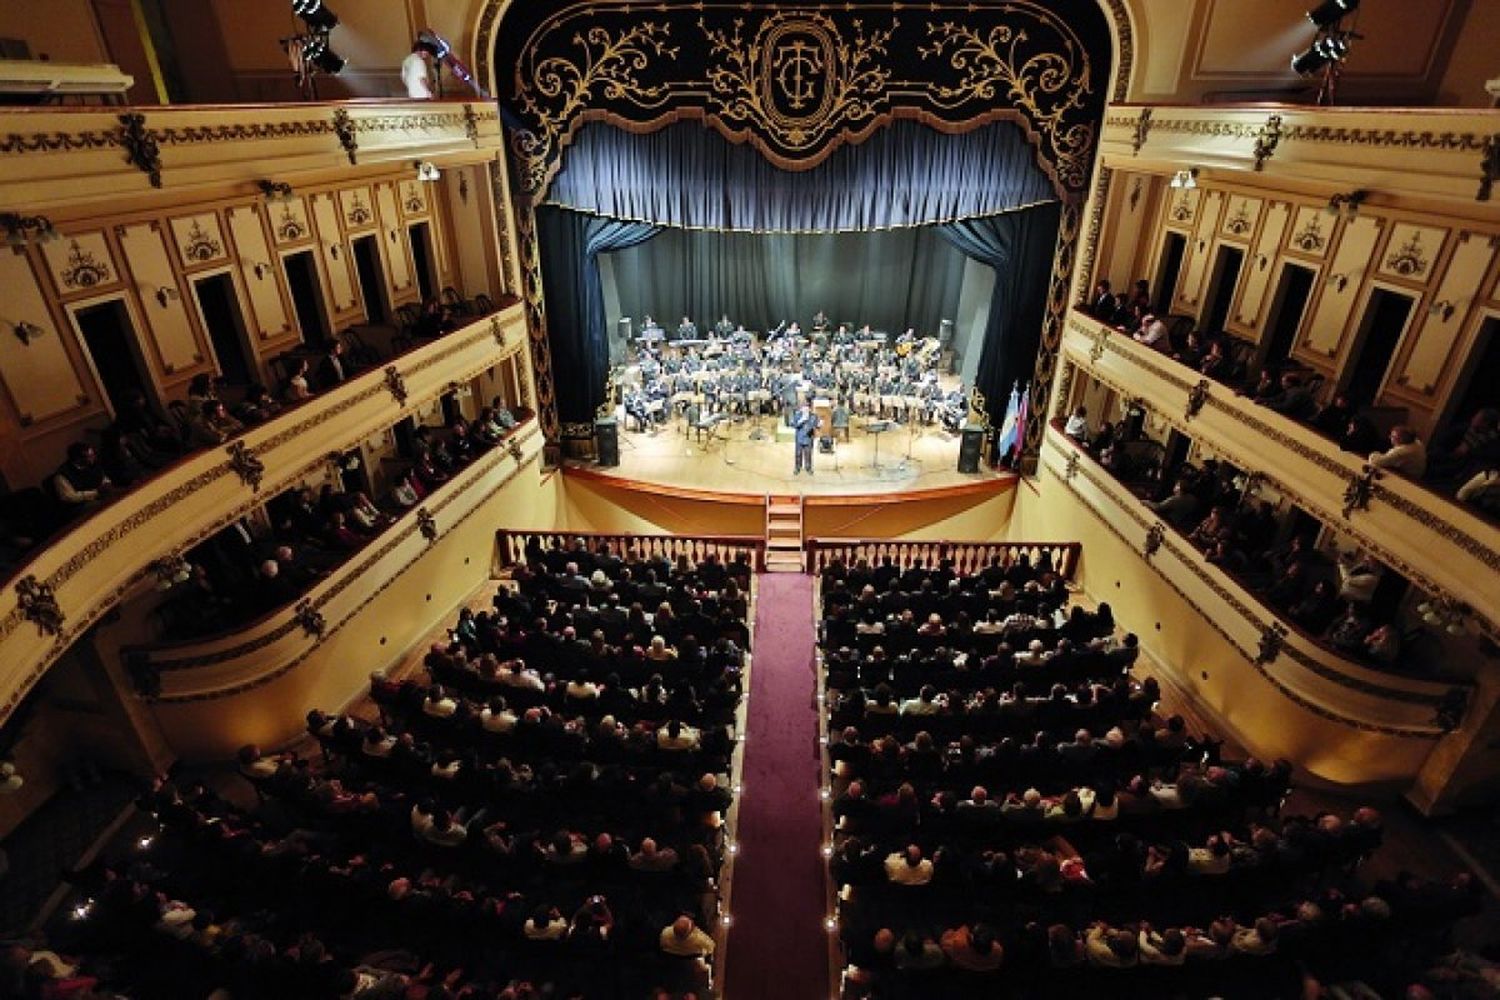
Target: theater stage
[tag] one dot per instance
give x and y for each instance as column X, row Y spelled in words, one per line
column 737, row 460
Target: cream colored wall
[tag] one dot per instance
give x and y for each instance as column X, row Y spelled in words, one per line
column 413, row 603
column 1197, row 664
column 63, row 30
column 592, row 506
column 1473, row 60
column 977, row 518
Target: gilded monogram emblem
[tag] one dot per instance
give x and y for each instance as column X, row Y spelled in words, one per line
column 1155, row 535
column 796, row 77
column 801, row 65
column 427, row 524
column 1272, row 638
column 39, row 605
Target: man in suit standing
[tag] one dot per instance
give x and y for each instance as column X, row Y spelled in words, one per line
column 333, row 369
column 806, row 429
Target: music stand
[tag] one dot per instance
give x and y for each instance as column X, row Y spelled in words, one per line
column 877, row 428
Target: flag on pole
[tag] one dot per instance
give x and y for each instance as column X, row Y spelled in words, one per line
column 1010, row 426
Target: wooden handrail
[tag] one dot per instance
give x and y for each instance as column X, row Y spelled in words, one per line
column 967, row 557
column 511, row 544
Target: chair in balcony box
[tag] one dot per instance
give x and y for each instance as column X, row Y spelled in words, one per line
column 456, row 303
column 1178, row 328
column 406, row 327
column 360, row 351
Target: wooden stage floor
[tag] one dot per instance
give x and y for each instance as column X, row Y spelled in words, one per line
column 909, row 459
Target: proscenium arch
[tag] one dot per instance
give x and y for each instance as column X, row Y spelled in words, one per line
column 1082, row 199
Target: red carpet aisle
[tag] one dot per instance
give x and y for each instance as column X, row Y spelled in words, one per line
column 777, row 944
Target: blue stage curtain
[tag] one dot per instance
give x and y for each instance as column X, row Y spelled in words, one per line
column 907, row 174
column 892, row 279
column 1019, row 246
column 571, row 244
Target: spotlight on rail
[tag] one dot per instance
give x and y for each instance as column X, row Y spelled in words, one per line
column 1328, row 50
column 1330, row 12
column 315, row 52
column 316, row 14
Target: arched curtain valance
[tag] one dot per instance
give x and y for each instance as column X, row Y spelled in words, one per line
column 689, row 176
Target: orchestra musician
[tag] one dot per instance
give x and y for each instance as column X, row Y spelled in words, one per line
column 687, row 330
column 724, row 328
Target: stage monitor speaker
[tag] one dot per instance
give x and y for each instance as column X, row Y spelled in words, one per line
column 625, row 328
column 945, row 333
column 970, row 447
column 607, row 437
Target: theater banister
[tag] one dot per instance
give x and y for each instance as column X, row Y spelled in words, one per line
column 91, row 567
column 1430, row 539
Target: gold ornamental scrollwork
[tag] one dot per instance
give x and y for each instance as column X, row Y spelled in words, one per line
column 557, row 88
column 1005, row 64
column 796, row 79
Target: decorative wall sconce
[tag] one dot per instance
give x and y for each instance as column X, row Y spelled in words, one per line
column 333, row 250
column 427, row 170
column 1185, row 178
column 1339, row 281
column 1347, row 205
column 26, row 332
column 165, row 294
column 463, row 188
column 1442, row 308
column 275, row 190
column 261, row 269
column 19, row 229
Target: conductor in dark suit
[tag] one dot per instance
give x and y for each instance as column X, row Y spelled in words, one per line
column 806, row 427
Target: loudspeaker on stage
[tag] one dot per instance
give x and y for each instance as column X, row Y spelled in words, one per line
column 607, row 438
column 970, row 447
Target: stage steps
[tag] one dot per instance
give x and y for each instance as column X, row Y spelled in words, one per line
column 783, row 533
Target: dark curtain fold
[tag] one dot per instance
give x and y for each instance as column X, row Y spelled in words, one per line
column 892, row 279
column 907, row 174
column 1019, row 246
column 571, row 244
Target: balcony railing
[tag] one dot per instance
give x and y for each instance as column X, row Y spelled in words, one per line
column 227, row 664
column 1302, row 669
column 511, row 545
column 967, row 557
column 54, row 154
column 1434, row 542
column 82, row 573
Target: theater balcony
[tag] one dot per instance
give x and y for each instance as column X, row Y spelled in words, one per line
column 109, row 557
column 1431, row 539
column 1357, row 254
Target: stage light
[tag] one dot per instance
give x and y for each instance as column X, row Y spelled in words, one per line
column 832, row 924
column 317, row 16
column 1309, row 62
column 432, row 43
column 1330, row 12
column 824, row 794
column 315, row 52
column 827, row 850
column 1325, row 51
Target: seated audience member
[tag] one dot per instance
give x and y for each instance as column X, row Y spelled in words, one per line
column 1181, row 508
column 334, row 368
column 908, row 867
column 79, row 483
column 1153, row 332
column 973, row 949
column 433, row 322
column 683, row 939
column 257, row 406
column 1292, row 398
column 296, row 388
column 1469, row 449
column 1077, row 426
column 213, row 424
column 1407, row 456
column 1482, row 492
